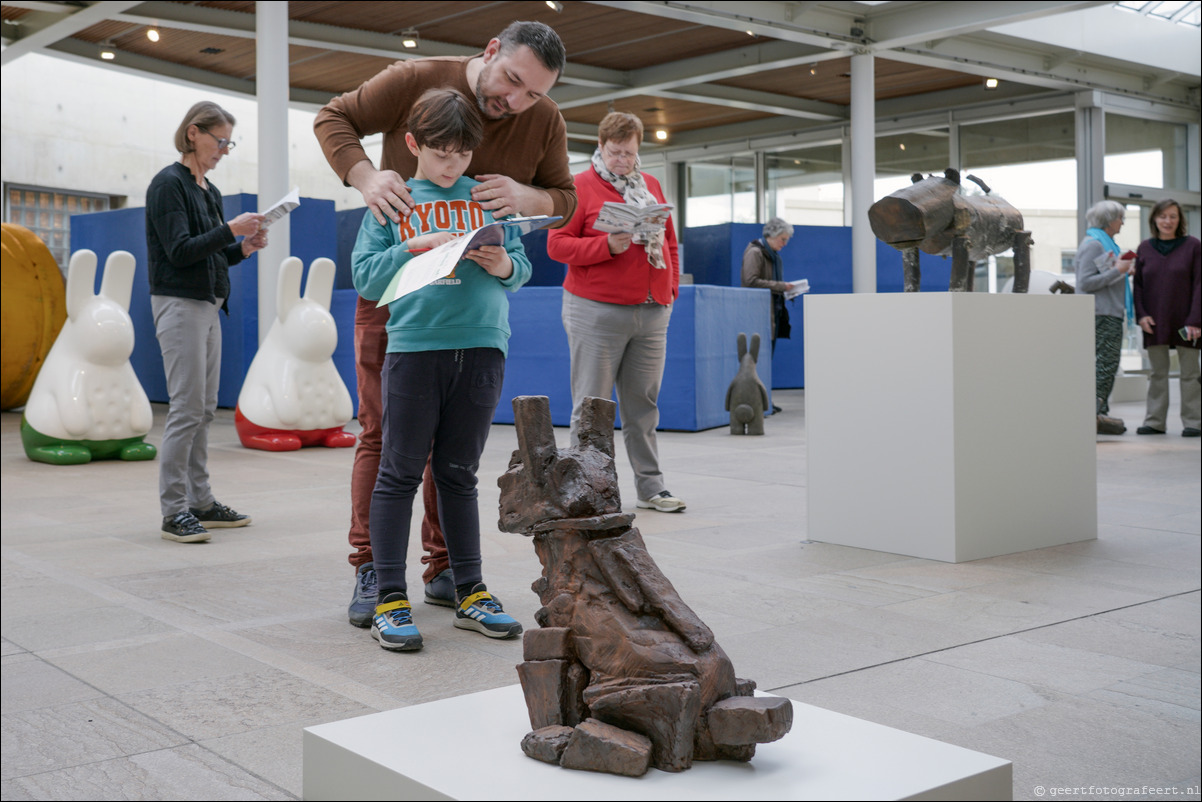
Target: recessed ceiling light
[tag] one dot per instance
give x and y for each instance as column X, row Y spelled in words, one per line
column 152, row 34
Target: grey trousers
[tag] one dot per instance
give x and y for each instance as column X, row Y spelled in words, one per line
column 189, row 334
column 1158, row 388
column 623, row 346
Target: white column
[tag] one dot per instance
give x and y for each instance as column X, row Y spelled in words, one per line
column 271, row 76
column 863, row 172
column 1091, row 155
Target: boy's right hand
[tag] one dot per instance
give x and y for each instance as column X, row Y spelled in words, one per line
column 427, row 241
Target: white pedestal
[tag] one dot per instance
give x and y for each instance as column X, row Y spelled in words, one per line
column 950, row 426
column 468, row 747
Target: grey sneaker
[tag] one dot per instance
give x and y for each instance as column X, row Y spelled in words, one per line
column 663, row 501
column 441, row 590
column 184, row 528
column 219, row 516
column 363, row 603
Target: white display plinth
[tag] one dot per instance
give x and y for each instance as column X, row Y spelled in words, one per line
column 469, row 747
column 950, row 426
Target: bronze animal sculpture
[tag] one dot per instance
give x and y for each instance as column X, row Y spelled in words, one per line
column 747, row 398
column 934, row 216
column 621, row 673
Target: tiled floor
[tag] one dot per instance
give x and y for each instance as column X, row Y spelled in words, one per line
column 138, row 668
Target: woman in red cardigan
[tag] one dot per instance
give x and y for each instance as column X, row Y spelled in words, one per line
column 618, row 298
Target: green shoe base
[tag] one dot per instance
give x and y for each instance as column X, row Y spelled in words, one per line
column 55, row 451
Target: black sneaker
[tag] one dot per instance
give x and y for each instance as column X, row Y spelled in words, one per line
column 440, row 591
column 363, row 603
column 219, row 516
column 184, row 528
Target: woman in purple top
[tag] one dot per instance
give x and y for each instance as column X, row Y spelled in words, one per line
column 1168, row 307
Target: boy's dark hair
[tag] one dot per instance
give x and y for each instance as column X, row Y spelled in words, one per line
column 445, row 120
column 542, row 40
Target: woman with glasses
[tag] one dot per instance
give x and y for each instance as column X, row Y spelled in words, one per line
column 190, row 247
column 617, row 300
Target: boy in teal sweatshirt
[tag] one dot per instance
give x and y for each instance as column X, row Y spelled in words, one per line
column 444, row 368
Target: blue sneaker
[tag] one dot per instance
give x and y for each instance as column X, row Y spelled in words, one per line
column 481, row 612
column 363, row 602
column 393, row 625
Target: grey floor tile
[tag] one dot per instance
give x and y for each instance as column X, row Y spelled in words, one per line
column 186, row 772
column 1079, row 742
column 29, row 684
column 165, row 661
column 959, row 697
column 273, row 753
column 211, row 708
column 1165, row 693
column 105, row 622
column 51, row 738
column 1043, row 665
column 1162, row 633
column 979, row 612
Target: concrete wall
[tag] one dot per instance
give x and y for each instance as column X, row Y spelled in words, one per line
column 81, row 128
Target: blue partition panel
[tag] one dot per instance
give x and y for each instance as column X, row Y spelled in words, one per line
column 821, row 254
column 313, row 236
column 702, row 355
column 342, row 307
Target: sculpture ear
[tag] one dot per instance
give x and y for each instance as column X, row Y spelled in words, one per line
column 288, row 288
column 319, row 286
column 118, row 281
column 536, row 436
column 81, row 281
column 755, row 347
column 742, row 345
column 597, row 425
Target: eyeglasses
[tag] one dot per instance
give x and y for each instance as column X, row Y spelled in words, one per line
column 222, row 143
column 624, row 155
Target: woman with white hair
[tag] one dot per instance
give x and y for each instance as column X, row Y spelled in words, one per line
column 762, row 267
column 1102, row 272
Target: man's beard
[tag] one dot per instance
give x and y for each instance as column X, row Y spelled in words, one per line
column 483, row 100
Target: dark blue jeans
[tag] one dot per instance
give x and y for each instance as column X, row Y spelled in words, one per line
column 439, row 402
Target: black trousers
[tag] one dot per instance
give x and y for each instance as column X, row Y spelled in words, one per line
column 439, row 403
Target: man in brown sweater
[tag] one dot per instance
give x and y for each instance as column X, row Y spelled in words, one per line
column 523, row 169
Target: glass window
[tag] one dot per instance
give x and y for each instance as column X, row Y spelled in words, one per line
column 1147, row 153
column 1031, row 162
column 42, row 212
column 720, row 191
column 805, row 186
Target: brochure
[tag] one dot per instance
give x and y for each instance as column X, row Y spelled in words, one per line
column 436, row 263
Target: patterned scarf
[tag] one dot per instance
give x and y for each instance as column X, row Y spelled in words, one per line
column 633, row 190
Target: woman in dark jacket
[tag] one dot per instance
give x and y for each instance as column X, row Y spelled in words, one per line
column 762, row 268
column 189, row 249
column 1168, row 307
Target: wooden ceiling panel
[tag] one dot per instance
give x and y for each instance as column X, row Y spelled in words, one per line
column 831, row 80
column 658, row 112
column 336, row 74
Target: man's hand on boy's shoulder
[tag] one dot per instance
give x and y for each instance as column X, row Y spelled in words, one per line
column 384, row 191
column 505, row 197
